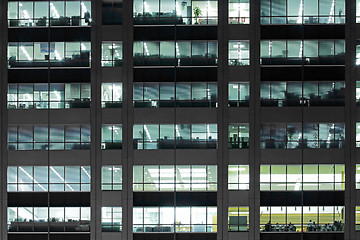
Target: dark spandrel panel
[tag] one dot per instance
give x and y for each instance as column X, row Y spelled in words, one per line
column 303, row 32
column 70, row 34
column 112, row 12
column 274, row 198
column 280, row 236
column 336, row 73
column 153, row 198
column 323, row 73
column 196, row 33
column 324, row 32
column 178, row 33
column 28, row 35
column 196, row 199
column 27, row 199
column 69, row 236
column 281, row 74
column 196, row 74
column 69, row 199
column 281, row 32
column 153, row 236
column 322, row 236
column 154, row 74
column 70, row 75
column 324, row 198
column 56, row 34
column 42, row 75
column 27, row 76
column 27, row 237
column 154, row 33
column 196, row 236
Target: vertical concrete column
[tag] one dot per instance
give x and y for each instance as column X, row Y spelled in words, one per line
column 255, row 120
column 222, row 120
column 350, row 119
column 127, row 120
column 3, row 119
column 95, row 120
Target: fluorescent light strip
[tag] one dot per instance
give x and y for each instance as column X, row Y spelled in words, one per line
column 26, row 53
column 62, row 179
column 147, row 133
column 53, row 9
column 86, row 172
column 332, row 11
column 31, row 177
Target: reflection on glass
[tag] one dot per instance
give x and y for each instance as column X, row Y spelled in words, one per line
column 310, row 135
column 112, row 54
column 53, row 137
column 239, row 94
column 283, row 94
column 239, row 11
column 111, row 137
column 111, row 219
column 37, row 54
column 111, row 178
column 53, row 179
column 180, row 136
column 179, row 53
column 298, row 52
column 182, row 94
column 239, row 53
column 36, row 95
column 55, row 13
column 302, row 12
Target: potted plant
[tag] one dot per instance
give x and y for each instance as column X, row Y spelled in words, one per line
column 197, row 13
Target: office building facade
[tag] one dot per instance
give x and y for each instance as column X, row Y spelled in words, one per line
column 180, row 119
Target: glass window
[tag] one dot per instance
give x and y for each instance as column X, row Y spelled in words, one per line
column 239, row 11
column 175, row 12
column 357, row 218
column 111, row 95
column 36, row 219
column 238, row 219
column 238, row 178
column 239, row 94
column 324, row 177
column 112, row 54
column 239, row 135
column 37, row 54
column 239, row 53
column 298, row 52
column 111, row 178
column 111, row 219
column 180, row 53
column 188, row 219
column 302, row 12
column 318, row 135
column 36, row 178
column 39, row 137
column 194, row 136
column 175, row 178
column 111, row 137
column 37, row 14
